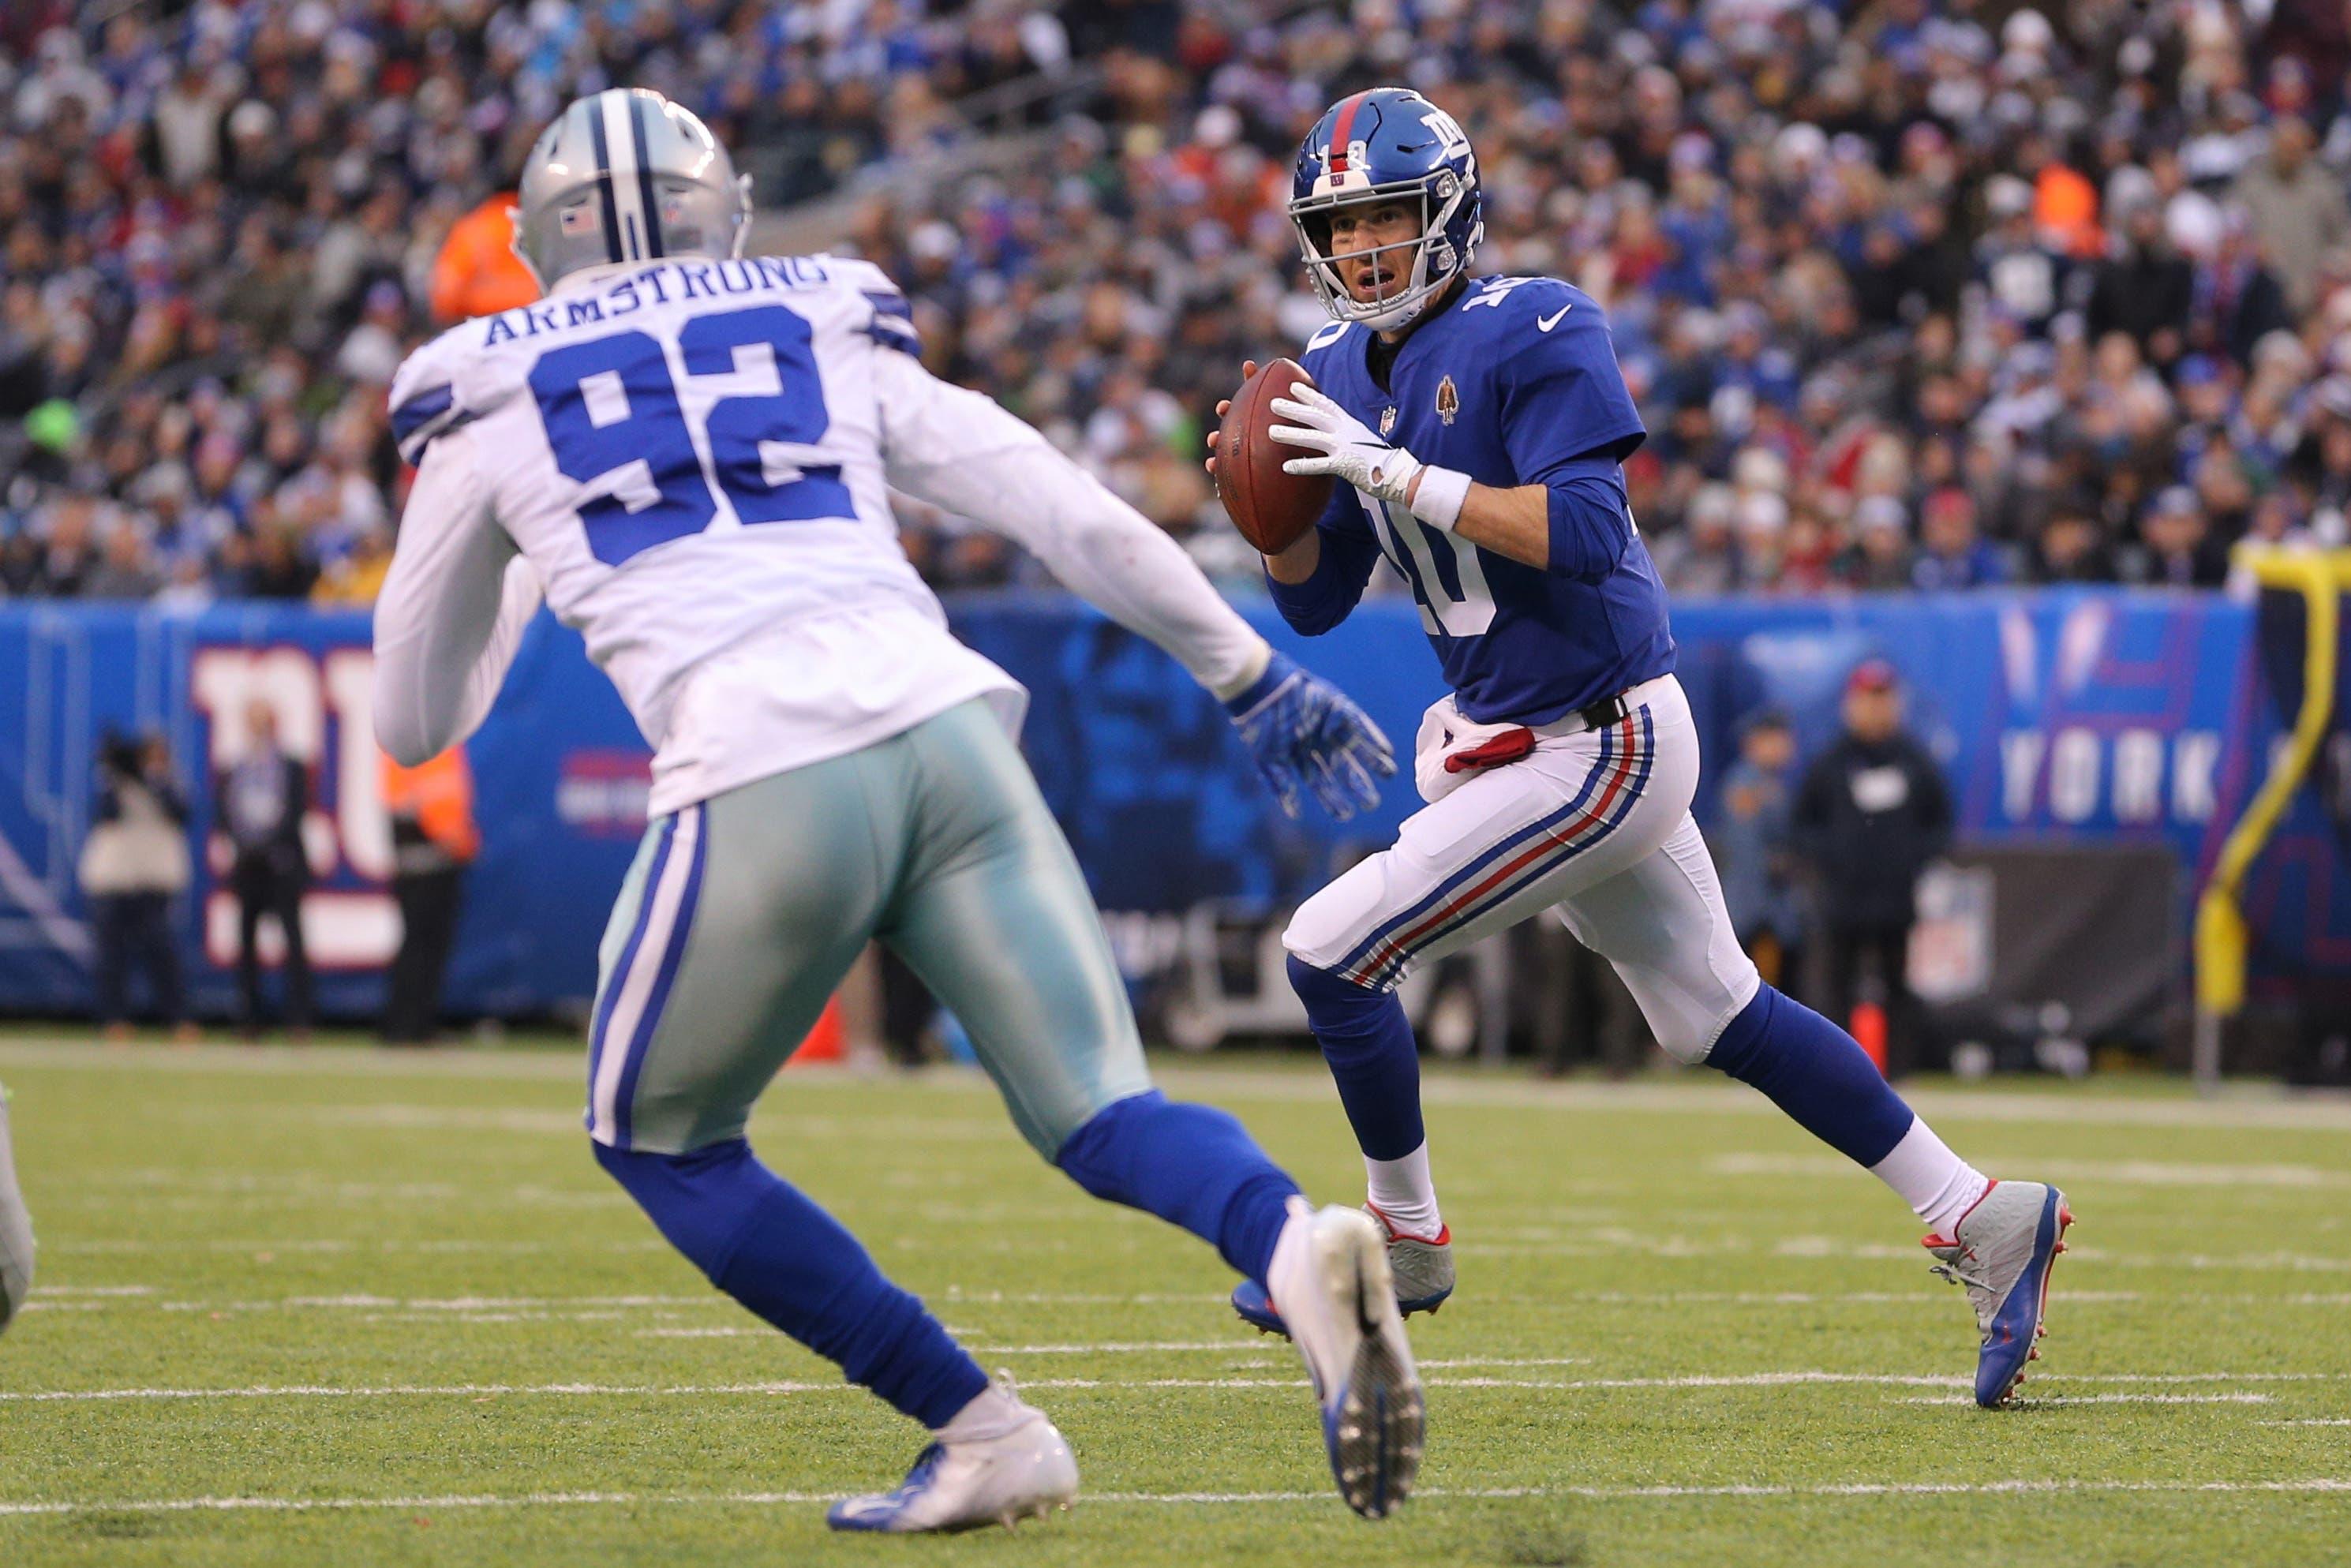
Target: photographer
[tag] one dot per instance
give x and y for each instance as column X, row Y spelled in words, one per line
column 134, row 862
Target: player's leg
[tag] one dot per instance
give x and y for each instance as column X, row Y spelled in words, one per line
column 736, row 923
column 1662, row 923
column 994, row 916
column 1505, row 845
column 15, row 1228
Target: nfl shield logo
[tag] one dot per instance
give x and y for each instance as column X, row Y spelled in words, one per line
column 1387, row 420
column 1449, row 400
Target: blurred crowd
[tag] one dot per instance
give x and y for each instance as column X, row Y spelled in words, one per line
column 1912, row 293
column 223, row 223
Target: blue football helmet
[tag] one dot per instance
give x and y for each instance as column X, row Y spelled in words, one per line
column 1388, row 145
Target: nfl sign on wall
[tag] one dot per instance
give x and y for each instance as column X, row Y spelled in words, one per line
column 559, row 769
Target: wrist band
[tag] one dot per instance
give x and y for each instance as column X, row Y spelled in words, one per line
column 1438, row 500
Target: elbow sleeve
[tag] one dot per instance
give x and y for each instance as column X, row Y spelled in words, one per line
column 1330, row 594
column 1590, row 525
column 400, row 732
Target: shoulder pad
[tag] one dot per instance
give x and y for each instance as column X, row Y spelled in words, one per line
column 891, row 324
column 427, row 400
column 1326, row 335
column 855, row 273
column 1516, row 294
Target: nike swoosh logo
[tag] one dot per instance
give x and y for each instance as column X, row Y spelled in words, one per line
column 1548, row 322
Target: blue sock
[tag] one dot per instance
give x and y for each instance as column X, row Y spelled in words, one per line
column 1192, row 1166
column 764, row 1243
column 1368, row 1042
column 1815, row 1071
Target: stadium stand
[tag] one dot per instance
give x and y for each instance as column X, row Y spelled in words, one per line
column 1900, row 311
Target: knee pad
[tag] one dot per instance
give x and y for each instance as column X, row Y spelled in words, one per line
column 1687, row 1032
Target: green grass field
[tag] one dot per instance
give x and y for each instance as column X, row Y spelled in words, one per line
column 334, row 1307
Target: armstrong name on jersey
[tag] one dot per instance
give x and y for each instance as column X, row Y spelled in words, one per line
column 680, row 281
column 1515, row 382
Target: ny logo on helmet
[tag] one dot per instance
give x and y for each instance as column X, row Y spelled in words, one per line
column 1451, row 139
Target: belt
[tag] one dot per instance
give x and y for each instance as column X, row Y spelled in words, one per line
column 1602, row 714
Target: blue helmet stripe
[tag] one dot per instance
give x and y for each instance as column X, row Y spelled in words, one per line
column 653, row 245
column 604, row 182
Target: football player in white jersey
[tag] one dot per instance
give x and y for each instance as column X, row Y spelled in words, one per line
column 688, row 453
column 15, row 1229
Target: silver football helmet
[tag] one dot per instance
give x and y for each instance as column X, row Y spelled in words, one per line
column 627, row 175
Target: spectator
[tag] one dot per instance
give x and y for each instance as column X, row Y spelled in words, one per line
column 1754, row 845
column 433, row 839
column 2145, row 289
column 2071, row 546
column 2175, row 549
column 2296, row 209
column 1871, row 813
column 477, row 272
column 1952, row 554
column 1881, row 556
column 260, row 803
column 133, row 864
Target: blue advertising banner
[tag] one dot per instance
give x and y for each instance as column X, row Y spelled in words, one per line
column 2072, row 714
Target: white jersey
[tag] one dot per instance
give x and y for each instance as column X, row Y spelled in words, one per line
column 693, row 459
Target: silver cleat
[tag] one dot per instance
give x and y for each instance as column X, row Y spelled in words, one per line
column 2002, row 1250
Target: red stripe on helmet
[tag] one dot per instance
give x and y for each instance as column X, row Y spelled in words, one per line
column 1339, row 130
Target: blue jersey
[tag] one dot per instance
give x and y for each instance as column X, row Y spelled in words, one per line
column 1513, row 384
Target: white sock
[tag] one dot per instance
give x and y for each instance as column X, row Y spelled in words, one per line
column 1401, row 1190
column 991, row 1413
column 1932, row 1180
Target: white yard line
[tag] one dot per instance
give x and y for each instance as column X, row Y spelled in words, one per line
column 2059, row 1399
column 1694, row 1380
column 2034, row 1486
column 140, row 1297
column 261, row 1245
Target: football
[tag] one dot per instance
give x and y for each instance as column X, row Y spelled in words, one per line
column 1272, row 508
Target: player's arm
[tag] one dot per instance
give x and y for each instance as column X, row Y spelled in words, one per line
column 1577, row 523
column 452, row 612
column 957, row 450
column 1318, row 581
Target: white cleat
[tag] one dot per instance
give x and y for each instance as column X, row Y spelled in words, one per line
column 15, row 1230
column 1329, row 1271
column 1022, row 1472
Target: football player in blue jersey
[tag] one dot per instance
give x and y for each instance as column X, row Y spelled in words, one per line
column 1476, row 428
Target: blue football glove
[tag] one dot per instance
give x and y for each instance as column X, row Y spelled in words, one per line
column 1299, row 726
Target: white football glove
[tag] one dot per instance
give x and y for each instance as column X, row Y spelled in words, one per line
column 1351, row 452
